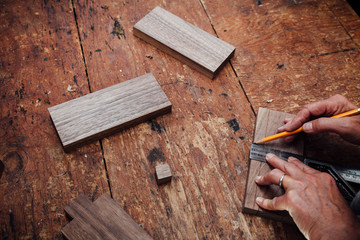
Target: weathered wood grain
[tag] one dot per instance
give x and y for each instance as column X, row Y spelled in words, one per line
column 102, row 219
column 184, row 41
column 291, row 53
column 40, row 56
column 347, row 17
column 294, row 46
column 163, row 173
column 205, row 139
column 267, row 122
column 106, row 111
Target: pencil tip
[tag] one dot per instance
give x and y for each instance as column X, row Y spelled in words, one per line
column 259, row 142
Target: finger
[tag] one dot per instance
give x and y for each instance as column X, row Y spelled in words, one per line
column 288, row 168
column 302, row 166
column 272, row 177
column 329, row 107
column 277, row 203
column 341, row 126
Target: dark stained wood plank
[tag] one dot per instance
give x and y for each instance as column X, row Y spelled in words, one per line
column 101, row 113
column 182, row 40
column 267, row 122
column 103, row 219
column 40, row 57
column 205, row 139
column 163, row 173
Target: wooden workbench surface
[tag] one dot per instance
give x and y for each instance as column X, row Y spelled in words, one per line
column 288, row 53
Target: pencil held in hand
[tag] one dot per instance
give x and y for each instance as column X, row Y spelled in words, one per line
column 300, row 129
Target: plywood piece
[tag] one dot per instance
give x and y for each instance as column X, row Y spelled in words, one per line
column 103, row 219
column 103, row 112
column 267, row 123
column 163, row 173
column 184, row 41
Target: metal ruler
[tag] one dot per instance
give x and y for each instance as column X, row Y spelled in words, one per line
column 258, row 152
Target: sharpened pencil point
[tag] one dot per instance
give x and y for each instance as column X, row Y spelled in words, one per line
column 260, row 141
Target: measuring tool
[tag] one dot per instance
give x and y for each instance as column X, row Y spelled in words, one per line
column 340, row 174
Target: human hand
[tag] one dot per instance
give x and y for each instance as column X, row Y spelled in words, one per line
column 347, row 127
column 312, row 200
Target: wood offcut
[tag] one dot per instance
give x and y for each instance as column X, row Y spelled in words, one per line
column 103, row 112
column 163, row 173
column 267, row 123
column 101, row 219
column 184, row 41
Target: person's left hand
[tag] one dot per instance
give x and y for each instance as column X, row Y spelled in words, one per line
column 312, row 200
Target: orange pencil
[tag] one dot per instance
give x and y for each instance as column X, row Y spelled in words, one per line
column 300, row 129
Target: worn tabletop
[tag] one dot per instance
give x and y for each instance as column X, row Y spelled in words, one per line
column 288, row 53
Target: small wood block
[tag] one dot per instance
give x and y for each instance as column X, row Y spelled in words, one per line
column 184, row 41
column 163, row 173
column 266, row 124
column 106, row 111
column 102, row 219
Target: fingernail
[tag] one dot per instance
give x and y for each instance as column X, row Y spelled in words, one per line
column 258, row 178
column 269, row 156
column 259, row 200
column 307, row 127
column 290, row 159
column 281, row 129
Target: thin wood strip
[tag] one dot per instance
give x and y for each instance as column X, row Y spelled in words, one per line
column 184, row 41
column 103, row 112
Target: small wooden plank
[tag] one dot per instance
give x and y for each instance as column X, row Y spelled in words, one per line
column 111, row 109
column 267, row 123
column 163, row 173
column 184, row 41
column 103, row 219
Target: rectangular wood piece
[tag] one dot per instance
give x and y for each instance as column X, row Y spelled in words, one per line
column 102, row 219
column 267, row 123
column 163, row 173
column 184, row 41
column 106, row 111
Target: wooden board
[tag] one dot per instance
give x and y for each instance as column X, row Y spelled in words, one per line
column 103, row 112
column 102, row 219
column 184, row 41
column 267, row 123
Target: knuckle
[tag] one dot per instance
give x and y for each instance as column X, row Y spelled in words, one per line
column 292, row 197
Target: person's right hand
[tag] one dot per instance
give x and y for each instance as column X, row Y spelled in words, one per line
column 348, row 127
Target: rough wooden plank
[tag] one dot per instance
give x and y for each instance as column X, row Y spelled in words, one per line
column 106, row 111
column 163, row 173
column 103, row 219
column 184, row 41
column 40, row 56
column 205, row 139
column 266, row 124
